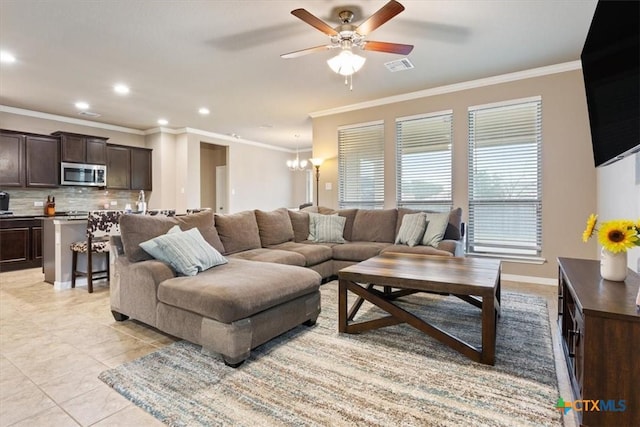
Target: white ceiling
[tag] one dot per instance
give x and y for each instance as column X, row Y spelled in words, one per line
column 180, row 55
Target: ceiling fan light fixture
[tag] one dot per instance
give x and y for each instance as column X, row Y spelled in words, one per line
column 346, row 63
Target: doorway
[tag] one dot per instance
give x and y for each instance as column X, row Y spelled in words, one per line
column 213, row 177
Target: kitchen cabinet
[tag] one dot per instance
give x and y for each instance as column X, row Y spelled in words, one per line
column 42, row 161
column 82, row 148
column 118, row 167
column 128, row 168
column 141, row 169
column 20, row 243
column 11, row 159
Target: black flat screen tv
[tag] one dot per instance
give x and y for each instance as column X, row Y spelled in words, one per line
column 611, row 69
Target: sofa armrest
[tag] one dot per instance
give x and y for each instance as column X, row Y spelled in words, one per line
column 134, row 287
column 456, row 247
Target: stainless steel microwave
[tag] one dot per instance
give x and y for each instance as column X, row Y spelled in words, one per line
column 81, row 174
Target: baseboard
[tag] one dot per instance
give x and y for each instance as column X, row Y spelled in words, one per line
column 530, row 279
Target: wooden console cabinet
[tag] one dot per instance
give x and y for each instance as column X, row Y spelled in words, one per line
column 600, row 335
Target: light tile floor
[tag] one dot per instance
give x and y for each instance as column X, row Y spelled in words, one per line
column 53, row 345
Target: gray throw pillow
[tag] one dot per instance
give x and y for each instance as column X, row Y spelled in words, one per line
column 186, row 251
column 329, row 228
column 436, row 226
column 412, row 229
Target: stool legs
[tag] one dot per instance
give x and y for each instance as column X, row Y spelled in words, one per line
column 74, row 267
column 89, row 270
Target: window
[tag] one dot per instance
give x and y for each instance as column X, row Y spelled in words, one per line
column 361, row 166
column 505, row 194
column 423, row 145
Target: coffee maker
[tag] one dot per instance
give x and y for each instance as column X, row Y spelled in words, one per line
column 4, row 203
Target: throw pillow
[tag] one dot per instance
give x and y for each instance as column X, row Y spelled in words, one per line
column 329, row 229
column 436, row 226
column 136, row 229
column 412, row 229
column 152, row 248
column 313, row 220
column 188, row 252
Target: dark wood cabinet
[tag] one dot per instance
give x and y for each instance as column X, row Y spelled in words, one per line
column 129, row 168
column 11, row 159
column 118, row 167
column 82, row 148
column 20, row 243
column 141, row 169
column 42, row 161
column 600, row 337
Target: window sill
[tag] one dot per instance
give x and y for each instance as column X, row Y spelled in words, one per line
column 511, row 258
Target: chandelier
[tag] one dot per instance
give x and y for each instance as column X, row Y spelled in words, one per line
column 297, row 164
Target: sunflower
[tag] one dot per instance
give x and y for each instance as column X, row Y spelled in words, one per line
column 618, row 236
column 591, row 225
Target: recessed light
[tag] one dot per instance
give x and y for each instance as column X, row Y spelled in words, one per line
column 80, row 105
column 7, row 57
column 204, row 111
column 121, row 89
column 163, row 122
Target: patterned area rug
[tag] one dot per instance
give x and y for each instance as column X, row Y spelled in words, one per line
column 387, row 377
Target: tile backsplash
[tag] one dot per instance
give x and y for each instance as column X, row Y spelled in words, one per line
column 69, row 199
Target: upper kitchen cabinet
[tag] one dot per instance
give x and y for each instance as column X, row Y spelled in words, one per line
column 11, row 159
column 28, row 160
column 141, row 169
column 118, row 167
column 82, row 148
column 42, row 161
column 128, row 168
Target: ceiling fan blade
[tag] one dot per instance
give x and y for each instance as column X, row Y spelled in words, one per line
column 314, row 21
column 387, row 12
column 303, row 52
column 402, row 49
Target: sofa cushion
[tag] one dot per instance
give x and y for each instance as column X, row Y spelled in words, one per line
column 186, row 251
column 205, row 223
column 327, row 228
column 424, row 250
column 238, row 289
column 271, row 255
column 300, row 224
column 314, row 253
column 136, row 229
column 357, row 251
column 436, row 226
column 453, row 231
column 374, row 225
column 350, row 215
column 238, row 232
column 274, row 227
column 412, row 229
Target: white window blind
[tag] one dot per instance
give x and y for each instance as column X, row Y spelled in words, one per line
column 361, row 166
column 505, row 184
column 423, row 169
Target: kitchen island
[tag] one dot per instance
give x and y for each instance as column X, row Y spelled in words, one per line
column 57, row 235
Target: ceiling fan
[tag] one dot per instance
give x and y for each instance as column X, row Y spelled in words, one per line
column 347, row 36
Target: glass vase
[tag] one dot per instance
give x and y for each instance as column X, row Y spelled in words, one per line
column 613, row 266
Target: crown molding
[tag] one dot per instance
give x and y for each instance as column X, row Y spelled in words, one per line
column 70, row 120
column 456, row 87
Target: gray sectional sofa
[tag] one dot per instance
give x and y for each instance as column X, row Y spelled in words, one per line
column 270, row 281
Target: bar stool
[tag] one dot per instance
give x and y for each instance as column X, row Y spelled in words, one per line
column 100, row 225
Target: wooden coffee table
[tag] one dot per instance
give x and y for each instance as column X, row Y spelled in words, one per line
column 474, row 280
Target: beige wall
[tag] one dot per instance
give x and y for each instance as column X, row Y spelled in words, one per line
column 569, row 175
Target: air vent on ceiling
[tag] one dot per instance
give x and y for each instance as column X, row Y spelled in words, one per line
column 399, row 65
column 88, row 114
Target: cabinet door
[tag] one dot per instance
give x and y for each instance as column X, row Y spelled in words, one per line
column 73, row 148
column 141, row 169
column 36, row 242
column 96, row 151
column 11, row 160
column 43, row 162
column 14, row 245
column 118, row 167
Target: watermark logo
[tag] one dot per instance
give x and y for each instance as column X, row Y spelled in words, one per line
column 591, row 405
